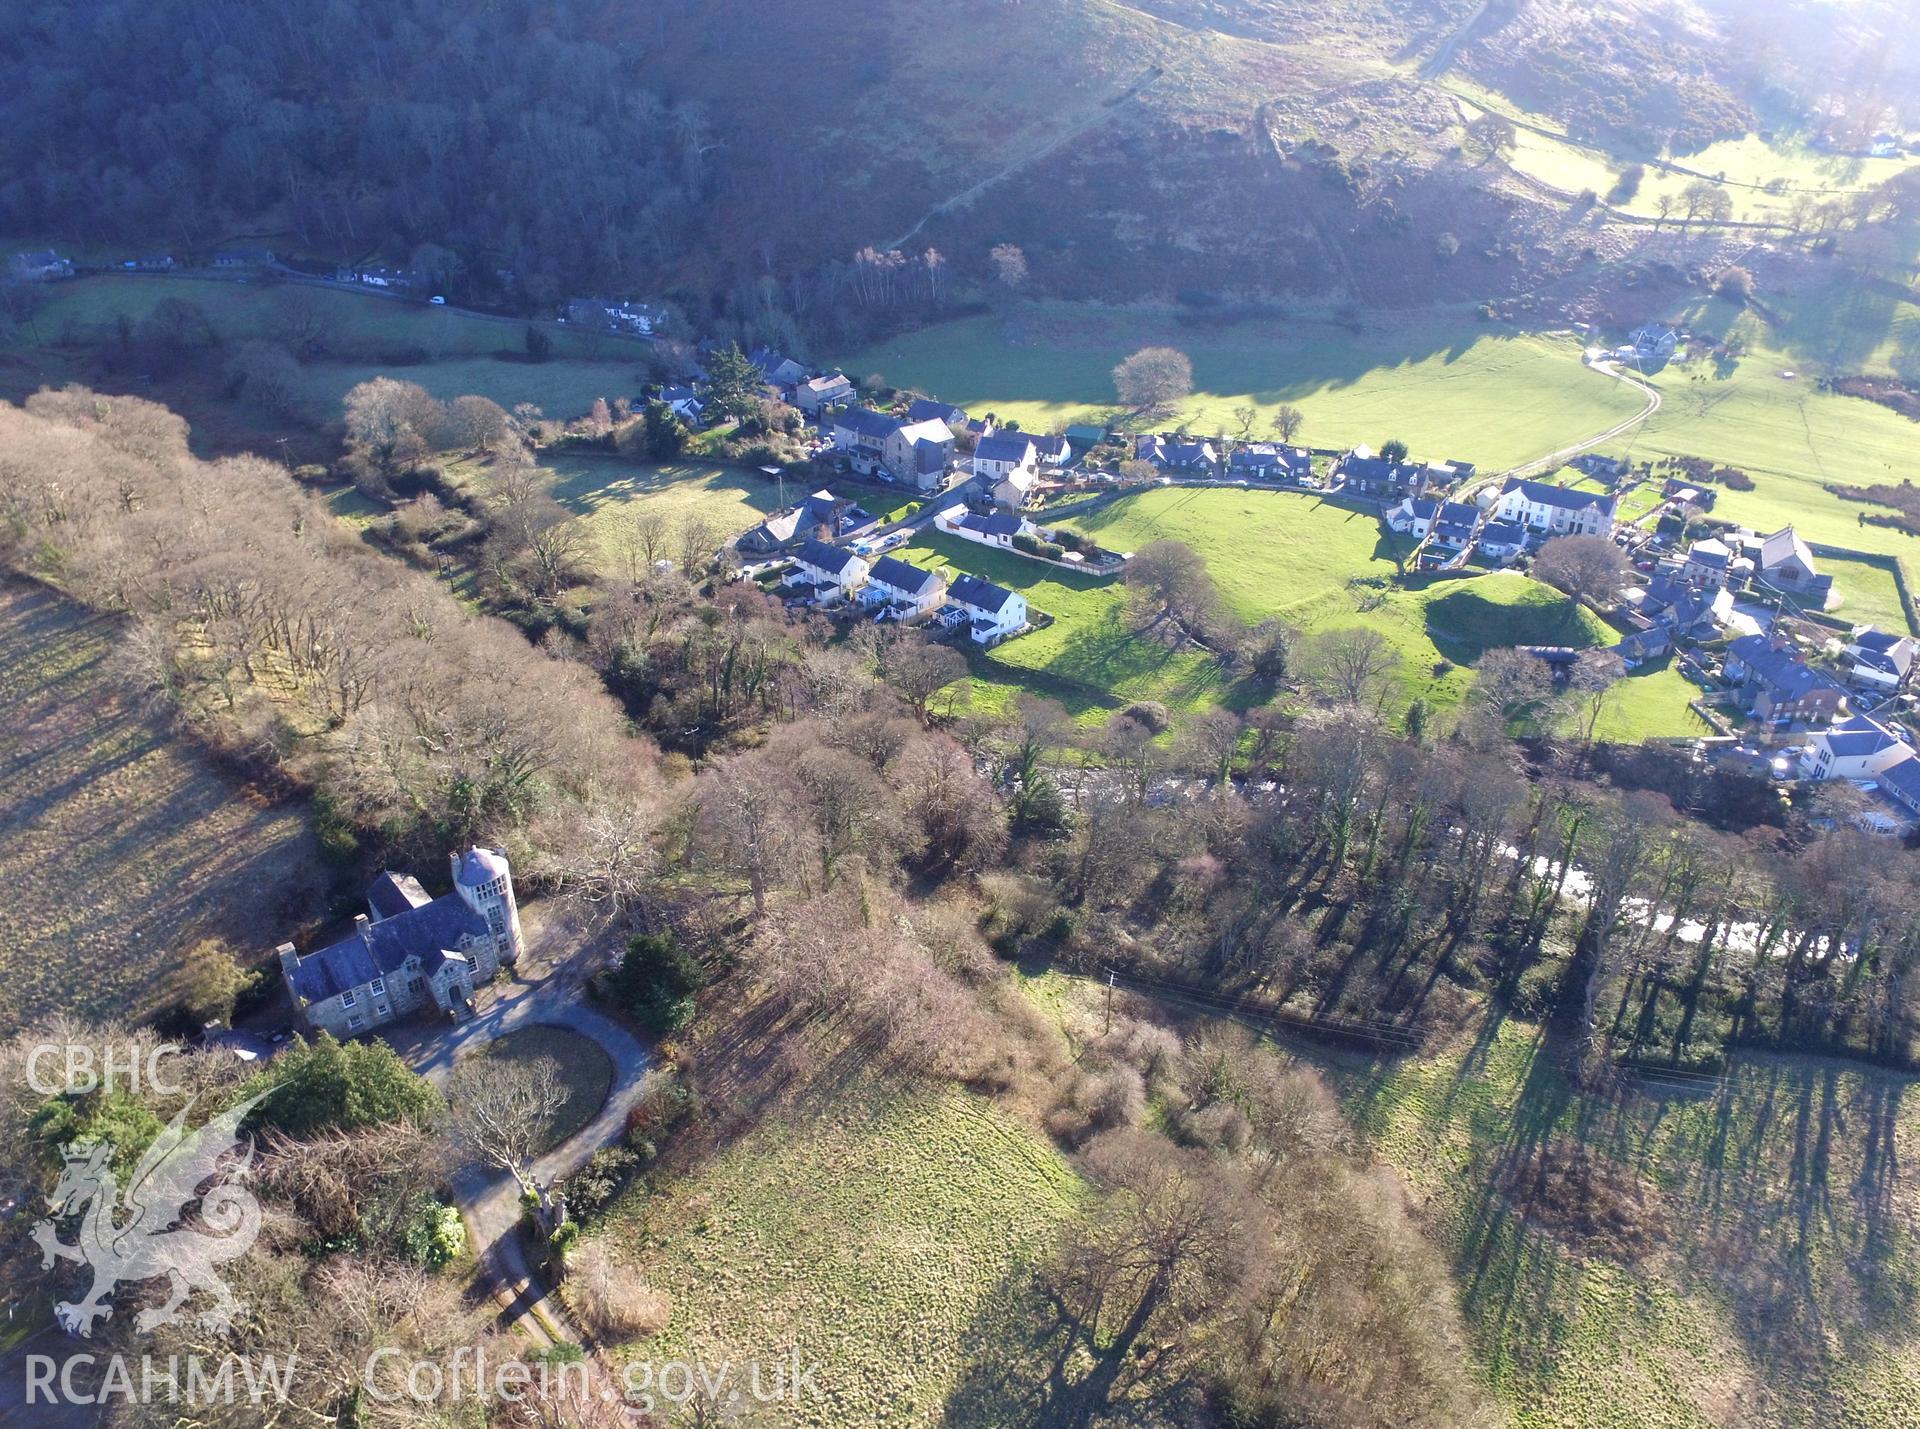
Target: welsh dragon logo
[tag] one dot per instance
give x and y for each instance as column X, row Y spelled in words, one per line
column 140, row 1236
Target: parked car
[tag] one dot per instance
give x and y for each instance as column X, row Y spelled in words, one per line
column 437, row 301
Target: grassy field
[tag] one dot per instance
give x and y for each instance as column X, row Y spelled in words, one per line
column 119, row 843
column 1650, row 703
column 1776, row 1281
column 883, row 1234
column 1090, row 659
column 1448, row 388
column 1872, row 598
column 1280, row 554
column 585, row 1071
column 601, row 489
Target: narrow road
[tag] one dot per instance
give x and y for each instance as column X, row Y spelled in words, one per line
column 489, row 1198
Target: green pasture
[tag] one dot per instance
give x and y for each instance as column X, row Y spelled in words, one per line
column 1449, row 388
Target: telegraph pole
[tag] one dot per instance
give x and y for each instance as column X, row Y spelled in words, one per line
column 1109, row 1026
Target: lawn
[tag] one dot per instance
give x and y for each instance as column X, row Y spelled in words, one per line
column 1780, row 1280
column 562, row 388
column 1650, row 703
column 1089, row 659
column 1872, row 597
column 585, row 1070
column 1449, row 388
column 1320, row 567
column 602, row 489
column 120, row 844
column 884, row 1234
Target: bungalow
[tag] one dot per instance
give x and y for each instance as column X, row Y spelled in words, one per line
column 861, row 434
column 1188, row 456
column 1709, row 563
column 918, row 453
column 1413, row 516
column 41, row 267
column 1502, row 540
column 821, row 513
column 1882, row 662
column 906, row 590
column 1777, row 685
column 995, row 529
column 243, row 258
column 993, row 612
column 1785, row 562
column 1605, row 468
column 823, row 391
column 1263, row 461
column 826, row 573
column 1000, row 455
column 1643, row 645
column 1554, row 510
column 926, row 409
column 1857, row 748
column 779, row 370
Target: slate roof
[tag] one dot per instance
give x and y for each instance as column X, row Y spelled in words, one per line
column 926, row 409
column 1456, row 521
column 1048, row 446
column 1189, row 453
column 392, row 894
column 1782, row 546
column 822, row 557
column 1782, row 671
column 1710, row 553
column 981, row 594
column 998, row 523
column 1902, row 781
column 1880, row 642
column 902, row 575
column 1644, row 644
column 1859, row 737
column 929, row 456
column 865, row 422
column 1564, row 498
column 381, row 949
column 477, row 866
column 1004, row 446
column 1503, row 533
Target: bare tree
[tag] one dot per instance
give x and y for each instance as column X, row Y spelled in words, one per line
column 389, row 421
column 1169, row 581
column 501, row 1112
column 699, row 543
column 1287, row 422
column 919, row 670
column 1009, row 266
column 1587, row 568
column 1152, row 380
column 1350, row 666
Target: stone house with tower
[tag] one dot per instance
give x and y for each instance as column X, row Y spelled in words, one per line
column 410, row 953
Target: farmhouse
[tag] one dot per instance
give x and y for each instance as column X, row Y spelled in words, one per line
column 1002, row 454
column 907, row 591
column 683, row 402
column 1554, row 510
column 823, row 391
column 1263, row 461
column 1857, row 748
column 824, row 574
column 1654, row 340
column 821, row 514
column 1364, row 474
column 861, row 434
column 993, row 612
column 919, row 453
column 409, row 952
column 1776, row 684
column 1050, row 450
column 1687, row 611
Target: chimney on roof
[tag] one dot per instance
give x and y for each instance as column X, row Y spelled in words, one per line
column 364, row 927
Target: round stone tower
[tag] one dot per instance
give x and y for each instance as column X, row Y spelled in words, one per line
column 484, row 881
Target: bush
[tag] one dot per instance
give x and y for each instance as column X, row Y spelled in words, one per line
column 595, row 1185
column 1150, row 713
column 1024, row 542
column 655, row 982
column 1628, row 184
column 437, row 1237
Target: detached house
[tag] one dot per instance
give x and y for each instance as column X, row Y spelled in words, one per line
column 926, row 409
column 1785, row 562
column 1882, row 662
column 1263, row 461
column 824, row 574
column 1502, row 540
column 409, row 952
column 820, row 514
column 1413, row 516
column 918, row 453
column 861, row 433
column 822, row 391
column 1455, row 525
column 1857, row 748
column 1777, row 684
column 907, row 591
column 1364, row 474
column 993, row 612
column 1709, row 563
column 1643, row 645
column 1554, row 510
column 999, row 456
column 41, row 267
column 1687, row 611
column 779, row 370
